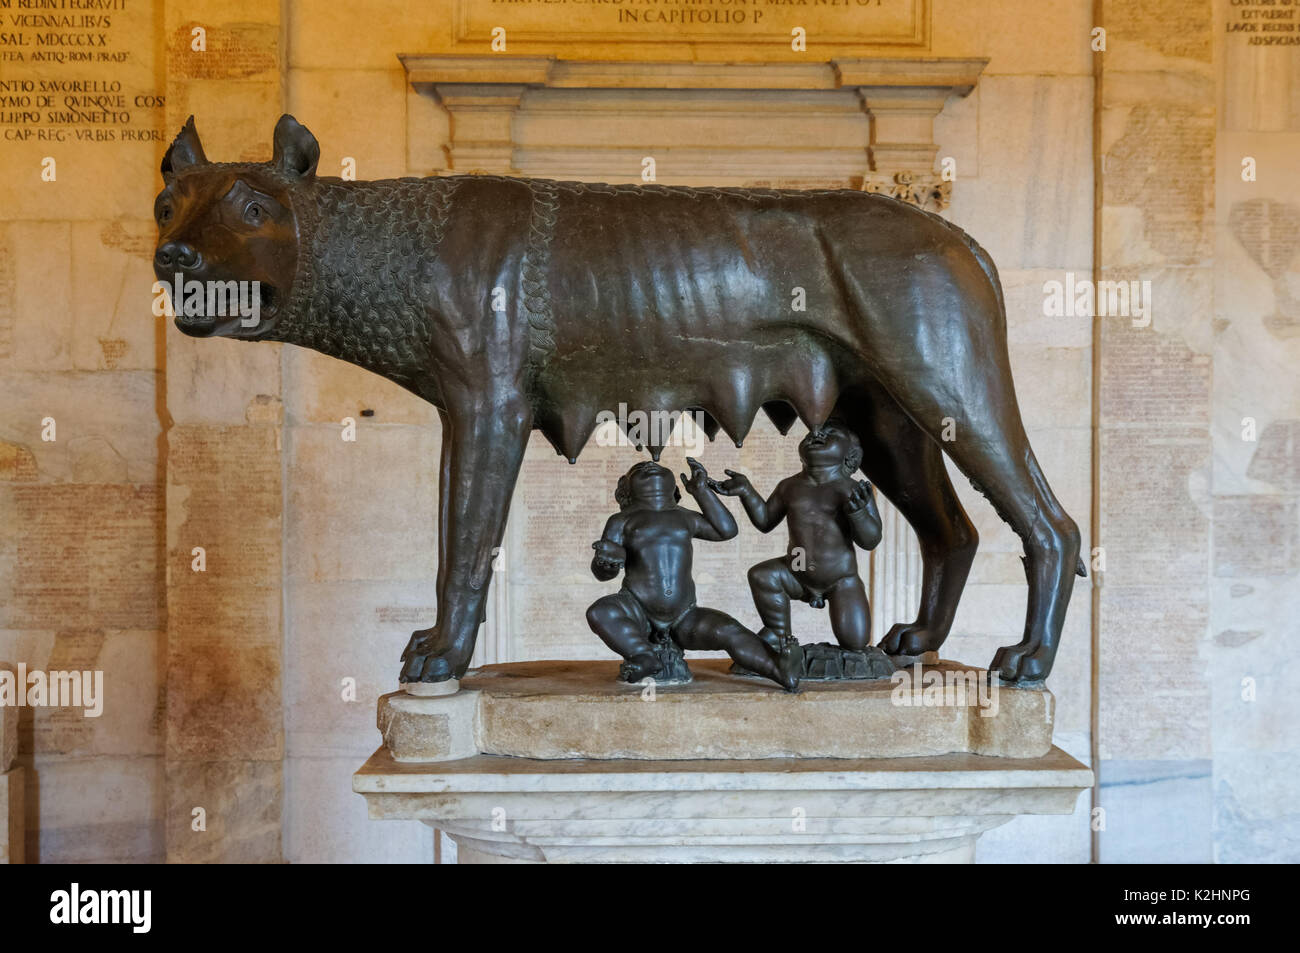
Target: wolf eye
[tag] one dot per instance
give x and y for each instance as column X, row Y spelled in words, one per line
column 254, row 213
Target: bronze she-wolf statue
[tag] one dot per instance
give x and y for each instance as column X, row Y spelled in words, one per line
column 515, row 305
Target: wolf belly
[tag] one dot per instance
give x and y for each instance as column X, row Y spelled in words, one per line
column 719, row 300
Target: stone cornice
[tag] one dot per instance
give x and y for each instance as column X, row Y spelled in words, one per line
column 901, row 96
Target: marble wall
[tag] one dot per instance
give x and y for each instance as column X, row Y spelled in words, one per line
column 83, row 470
column 1254, row 422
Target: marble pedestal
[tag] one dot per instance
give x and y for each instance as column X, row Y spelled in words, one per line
column 554, row 762
column 778, row 810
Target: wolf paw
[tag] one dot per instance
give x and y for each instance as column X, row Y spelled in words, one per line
column 911, row 638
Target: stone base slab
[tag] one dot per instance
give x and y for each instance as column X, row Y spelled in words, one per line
column 569, row 709
column 920, row 810
column 432, row 689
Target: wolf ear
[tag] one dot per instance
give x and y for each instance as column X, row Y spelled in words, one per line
column 296, row 149
column 185, row 151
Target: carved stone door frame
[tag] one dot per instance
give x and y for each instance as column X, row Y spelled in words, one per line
column 711, row 123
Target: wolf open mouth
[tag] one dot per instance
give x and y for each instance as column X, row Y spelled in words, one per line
column 232, row 325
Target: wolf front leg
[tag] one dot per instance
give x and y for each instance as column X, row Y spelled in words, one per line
column 481, row 462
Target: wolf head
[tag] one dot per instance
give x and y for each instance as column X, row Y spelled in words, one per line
column 234, row 222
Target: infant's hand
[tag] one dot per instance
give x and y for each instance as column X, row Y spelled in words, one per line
column 738, row 484
column 859, row 498
column 699, row 478
column 608, row 553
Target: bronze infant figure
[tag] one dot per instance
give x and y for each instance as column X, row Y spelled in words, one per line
column 649, row 541
column 827, row 513
column 516, row 304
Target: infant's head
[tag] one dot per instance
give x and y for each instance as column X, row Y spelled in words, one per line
column 645, row 481
column 831, row 444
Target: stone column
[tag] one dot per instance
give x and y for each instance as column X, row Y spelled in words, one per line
column 1155, row 195
column 224, row 709
column 481, row 96
column 12, row 827
column 902, row 146
column 895, row 573
column 903, row 98
column 481, row 121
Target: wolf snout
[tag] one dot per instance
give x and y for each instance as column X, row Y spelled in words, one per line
column 177, row 255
